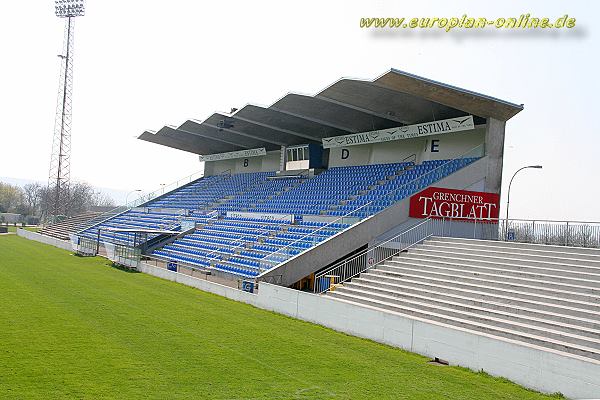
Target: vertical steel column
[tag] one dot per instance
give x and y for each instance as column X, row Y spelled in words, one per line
column 60, row 162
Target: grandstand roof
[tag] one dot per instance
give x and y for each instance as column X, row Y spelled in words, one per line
column 394, row 99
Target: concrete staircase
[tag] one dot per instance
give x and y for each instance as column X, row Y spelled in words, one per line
column 546, row 296
column 62, row 230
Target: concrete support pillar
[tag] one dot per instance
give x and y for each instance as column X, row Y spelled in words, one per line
column 283, row 158
column 209, row 168
column 494, row 150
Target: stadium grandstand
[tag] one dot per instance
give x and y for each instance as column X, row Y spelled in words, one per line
column 282, row 181
column 379, row 196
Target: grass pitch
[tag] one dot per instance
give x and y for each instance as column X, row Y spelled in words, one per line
column 74, row 327
column 13, row 229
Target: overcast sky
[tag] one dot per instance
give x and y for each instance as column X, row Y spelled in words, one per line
column 143, row 64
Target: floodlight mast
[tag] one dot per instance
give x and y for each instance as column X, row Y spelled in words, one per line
column 60, row 161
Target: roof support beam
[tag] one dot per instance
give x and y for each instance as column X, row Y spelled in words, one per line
column 283, row 130
column 211, row 138
column 244, row 134
column 315, row 120
column 364, row 110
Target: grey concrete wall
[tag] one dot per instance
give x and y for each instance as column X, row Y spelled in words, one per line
column 451, row 145
column 533, row 367
column 530, row 366
column 494, row 150
column 364, row 232
column 207, row 286
column 266, row 163
column 61, row 244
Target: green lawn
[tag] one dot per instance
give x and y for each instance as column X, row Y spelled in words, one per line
column 74, row 327
column 13, row 229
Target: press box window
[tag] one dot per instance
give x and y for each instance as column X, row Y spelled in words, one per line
column 297, row 158
column 297, row 154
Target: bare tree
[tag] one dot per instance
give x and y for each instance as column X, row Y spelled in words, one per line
column 103, row 200
column 32, row 197
column 35, row 200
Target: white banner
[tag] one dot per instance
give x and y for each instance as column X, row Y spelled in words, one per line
column 234, row 154
column 403, row 132
column 264, row 216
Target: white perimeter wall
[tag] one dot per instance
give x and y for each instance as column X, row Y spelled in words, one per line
column 449, row 146
column 529, row 366
column 61, row 244
column 266, row 163
column 540, row 369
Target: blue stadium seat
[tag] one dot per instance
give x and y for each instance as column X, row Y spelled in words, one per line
column 245, row 247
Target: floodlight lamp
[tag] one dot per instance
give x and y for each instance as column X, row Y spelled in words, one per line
column 69, row 8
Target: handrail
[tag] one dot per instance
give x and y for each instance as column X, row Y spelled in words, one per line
column 183, row 263
column 412, row 157
column 361, row 262
column 178, row 217
column 226, row 173
column 536, row 231
column 390, row 192
column 241, row 243
column 552, row 220
column 175, row 184
column 140, row 200
column 238, row 243
column 145, row 199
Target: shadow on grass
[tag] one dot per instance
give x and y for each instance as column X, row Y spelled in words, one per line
column 123, row 268
column 112, row 264
column 81, row 255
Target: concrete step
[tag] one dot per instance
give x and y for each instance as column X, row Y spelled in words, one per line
column 553, row 274
column 500, row 303
column 499, row 322
column 525, row 261
column 579, row 251
column 532, row 286
column 464, row 323
column 574, row 285
column 463, row 309
column 509, row 256
column 487, row 287
column 505, row 247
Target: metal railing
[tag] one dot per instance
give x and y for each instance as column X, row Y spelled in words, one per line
column 559, row 233
column 195, row 271
column 410, row 187
column 140, row 200
column 163, row 263
column 146, row 198
column 204, row 206
column 238, row 244
column 122, row 254
column 164, row 189
column 411, row 158
column 371, row 257
column 548, row 232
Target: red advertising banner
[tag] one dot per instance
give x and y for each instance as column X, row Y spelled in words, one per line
column 450, row 203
